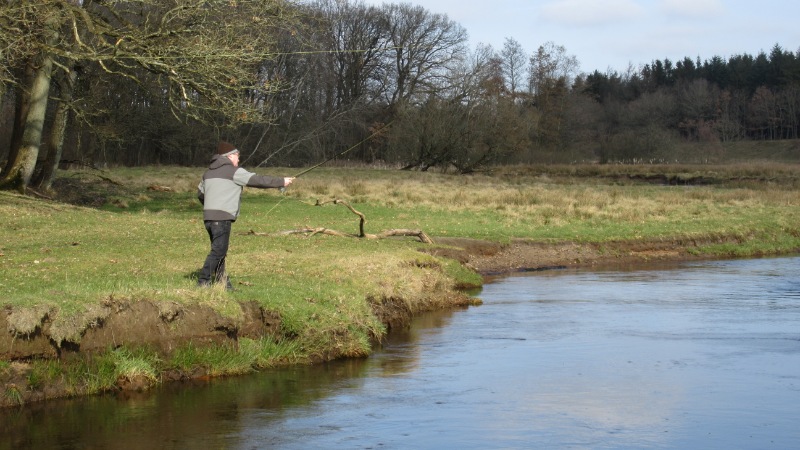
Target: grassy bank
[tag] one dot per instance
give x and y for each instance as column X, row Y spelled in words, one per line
column 136, row 235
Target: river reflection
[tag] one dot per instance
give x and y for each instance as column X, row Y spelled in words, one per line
column 700, row 355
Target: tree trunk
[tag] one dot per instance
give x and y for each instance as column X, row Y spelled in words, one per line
column 20, row 169
column 55, row 143
column 21, row 104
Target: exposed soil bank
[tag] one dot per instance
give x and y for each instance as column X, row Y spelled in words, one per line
column 520, row 255
column 167, row 327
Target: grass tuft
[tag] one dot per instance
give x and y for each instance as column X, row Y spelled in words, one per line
column 216, row 360
column 137, row 365
column 13, row 395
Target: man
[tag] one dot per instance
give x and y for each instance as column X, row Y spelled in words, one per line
column 220, row 193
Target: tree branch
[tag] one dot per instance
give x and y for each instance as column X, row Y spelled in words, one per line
column 421, row 235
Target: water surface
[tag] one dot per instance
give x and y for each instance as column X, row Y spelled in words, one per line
column 700, row 355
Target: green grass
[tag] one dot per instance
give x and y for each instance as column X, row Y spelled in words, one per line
column 88, row 374
column 215, row 359
column 71, row 257
column 139, row 363
column 146, row 244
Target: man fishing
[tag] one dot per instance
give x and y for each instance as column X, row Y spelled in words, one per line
column 220, row 193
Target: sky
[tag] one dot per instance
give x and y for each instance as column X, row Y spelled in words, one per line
column 611, row 35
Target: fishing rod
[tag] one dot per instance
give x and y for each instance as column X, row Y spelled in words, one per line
column 377, row 132
column 342, row 153
column 297, row 142
column 282, row 189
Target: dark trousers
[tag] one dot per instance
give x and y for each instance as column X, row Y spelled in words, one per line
column 219, row 231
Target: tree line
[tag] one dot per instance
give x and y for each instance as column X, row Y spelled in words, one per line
column 138, row 82
column 742, row 98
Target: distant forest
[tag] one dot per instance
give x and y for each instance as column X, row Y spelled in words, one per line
column 140, row 82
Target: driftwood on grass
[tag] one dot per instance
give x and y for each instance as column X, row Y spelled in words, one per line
column 421, row 235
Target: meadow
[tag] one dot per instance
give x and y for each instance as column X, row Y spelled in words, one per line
column 137, row 235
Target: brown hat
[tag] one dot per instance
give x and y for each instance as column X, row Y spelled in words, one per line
column 226, row 148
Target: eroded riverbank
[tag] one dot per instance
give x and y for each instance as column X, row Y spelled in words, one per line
column 521, row 255
column 667, row 354
column 30, row 335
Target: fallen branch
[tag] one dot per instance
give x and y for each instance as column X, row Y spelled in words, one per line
column 423, row 237
column 419, row 234
column 362, row 218
column 313, row 231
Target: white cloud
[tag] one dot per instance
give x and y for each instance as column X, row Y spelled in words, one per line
column 613, row 33
column 692, row 8
column 591, row 12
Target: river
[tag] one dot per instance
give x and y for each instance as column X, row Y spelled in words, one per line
column 692, row 355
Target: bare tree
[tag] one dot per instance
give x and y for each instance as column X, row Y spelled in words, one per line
column 472, row 124
column 551, row 65
column 19, row 168
column 698, row 102
column 764, row 114
column 197, row 51
column 552, row 71
column 358, row 36
column 423, row 46
column 66, row 83
column 514, row 61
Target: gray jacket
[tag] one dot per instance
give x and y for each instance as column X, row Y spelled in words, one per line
column 221, row 188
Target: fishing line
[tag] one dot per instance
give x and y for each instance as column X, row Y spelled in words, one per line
column 378, row 131
column 306, row 137
column 345, row 151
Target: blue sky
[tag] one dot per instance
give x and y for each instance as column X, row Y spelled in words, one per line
column 612, row 34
